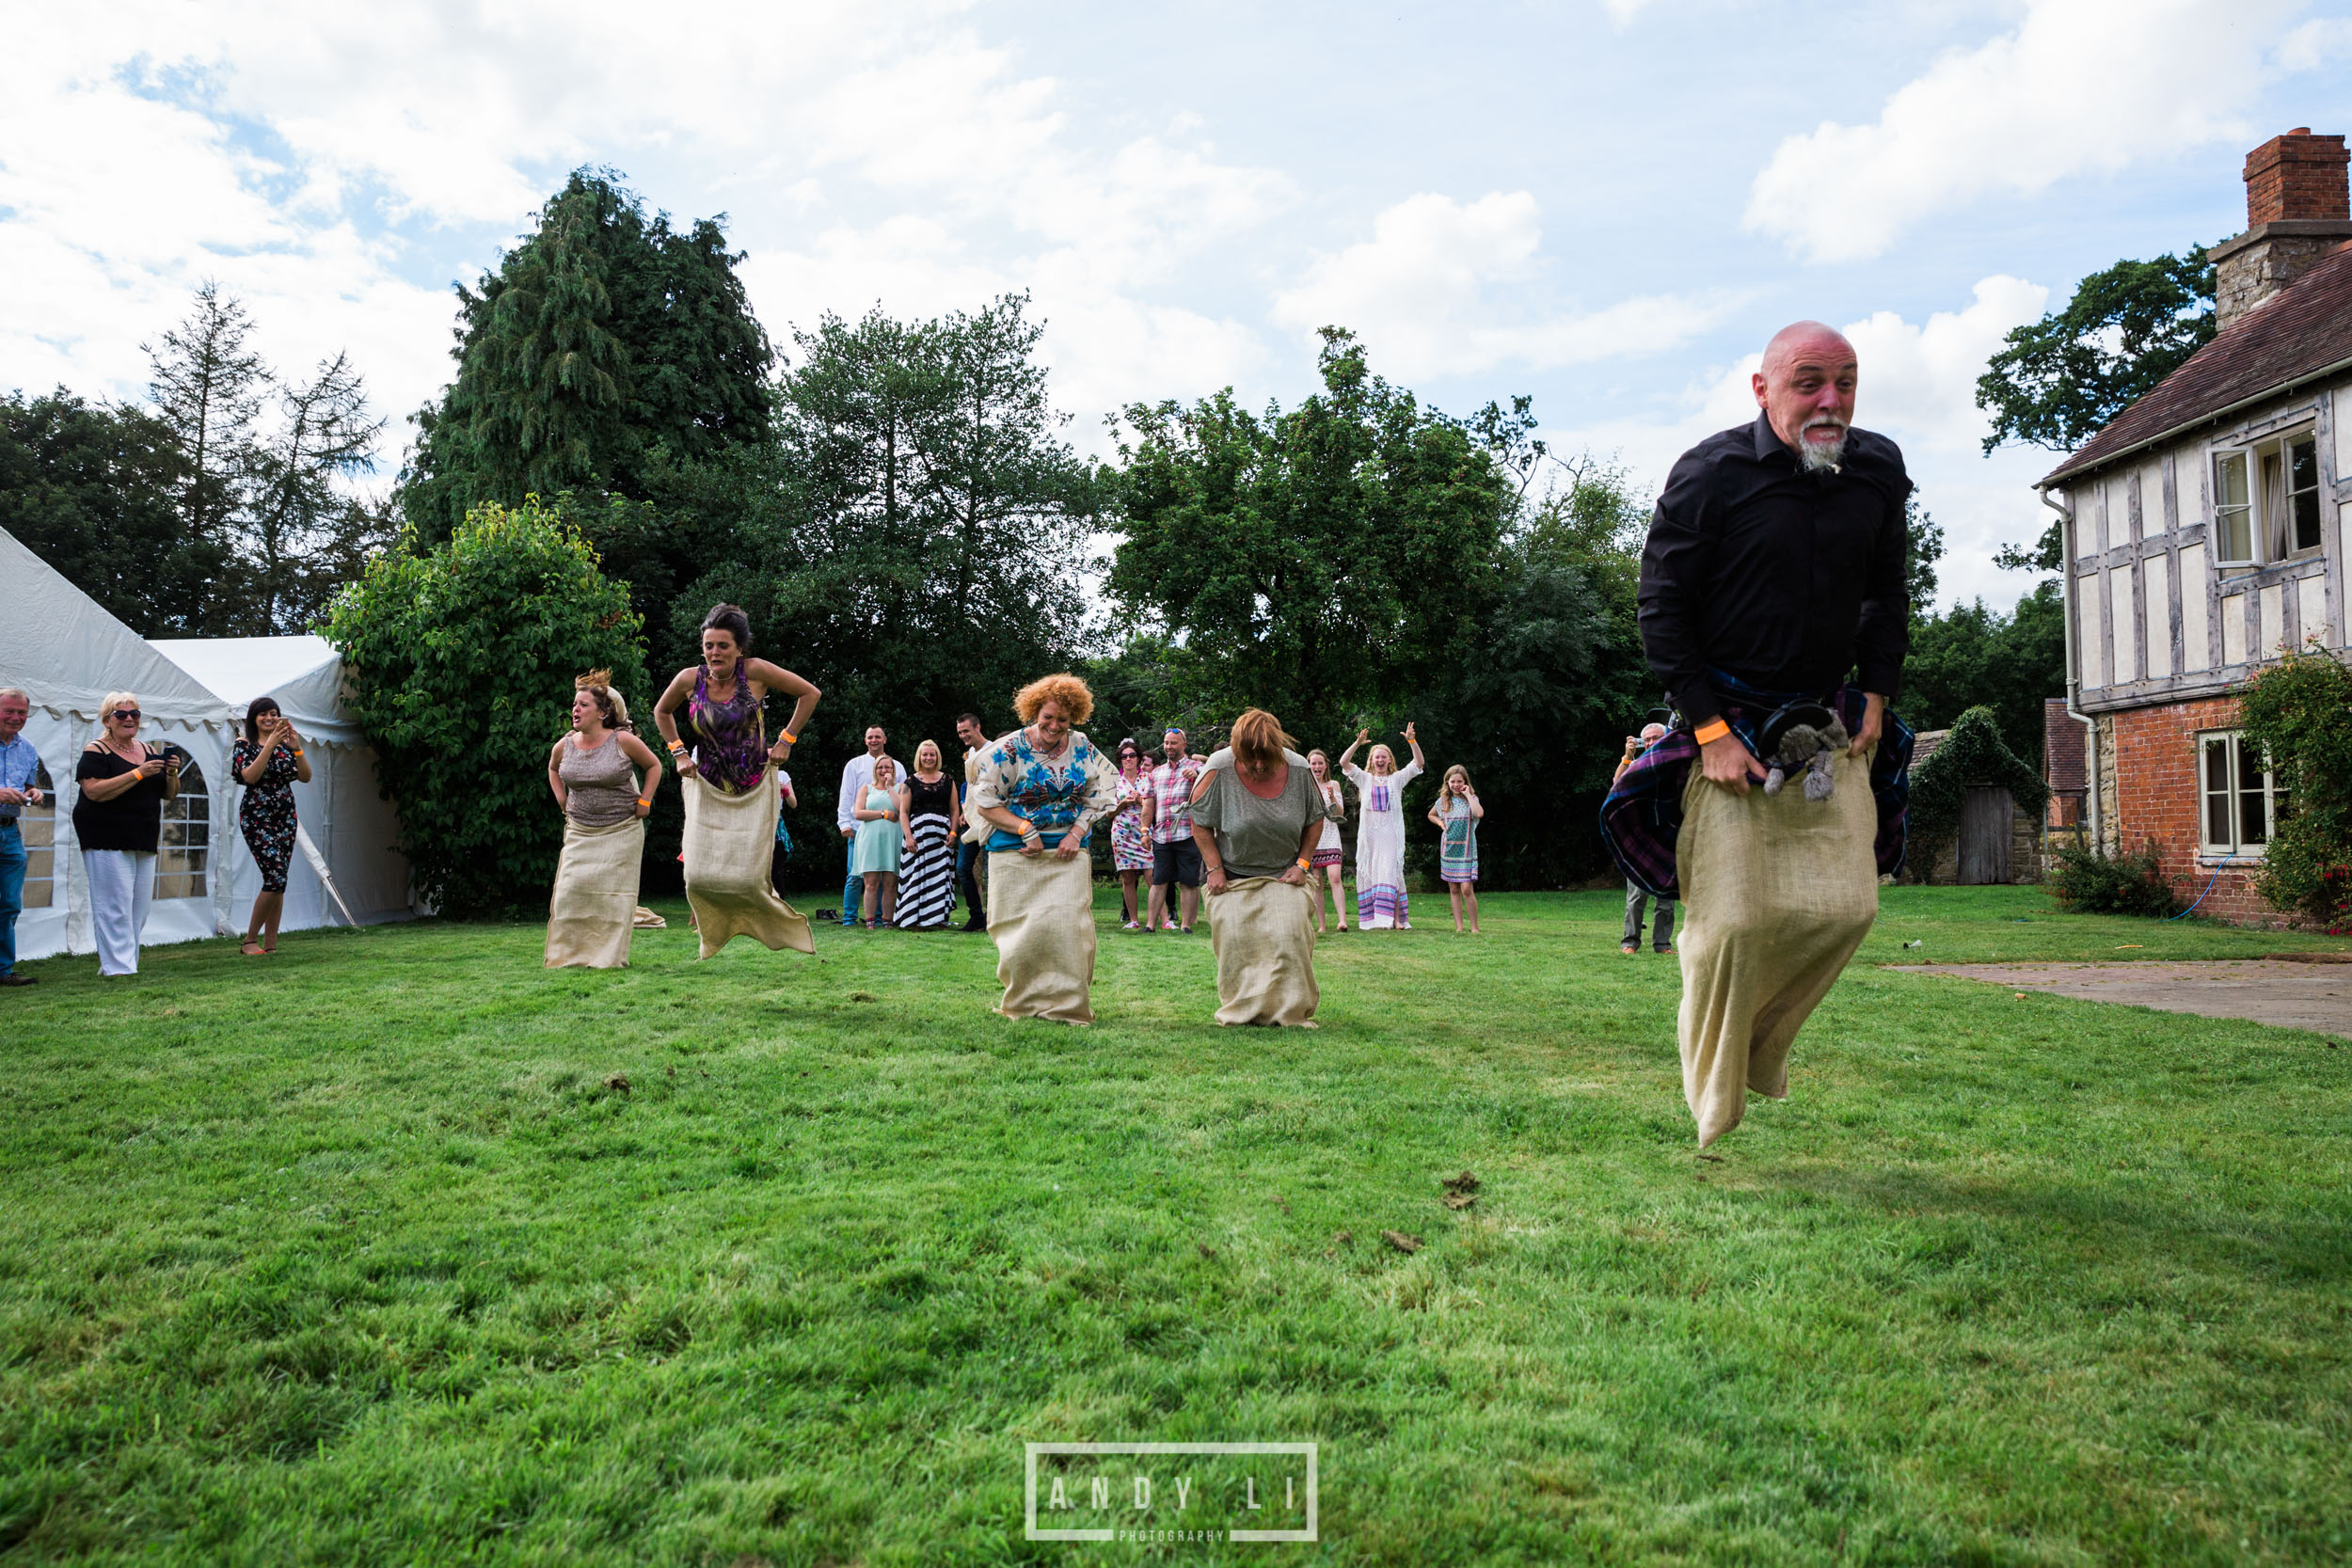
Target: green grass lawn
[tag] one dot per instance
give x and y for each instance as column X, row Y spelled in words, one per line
column 353, row 1255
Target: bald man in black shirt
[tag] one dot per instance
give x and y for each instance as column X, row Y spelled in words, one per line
column 1773, row 573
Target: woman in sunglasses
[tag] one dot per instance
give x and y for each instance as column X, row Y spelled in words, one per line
column 118, row 820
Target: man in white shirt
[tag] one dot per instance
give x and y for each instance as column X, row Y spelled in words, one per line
column 857, row 775
column 971, row 858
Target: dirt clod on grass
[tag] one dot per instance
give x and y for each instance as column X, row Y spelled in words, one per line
column 1342, row 1238
column 618, row 1081
column 1404, row 1244
column 1458, row 1200
column 1464, row 1183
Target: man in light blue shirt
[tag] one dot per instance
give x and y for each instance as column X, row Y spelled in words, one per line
column 20, row 764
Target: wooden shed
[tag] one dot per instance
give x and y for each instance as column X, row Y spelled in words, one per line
column 1995, row 842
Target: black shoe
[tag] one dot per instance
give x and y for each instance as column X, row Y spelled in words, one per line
column 972, row 925
column 13, row 978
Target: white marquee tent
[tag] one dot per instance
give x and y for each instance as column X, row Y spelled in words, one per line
column 58, row 644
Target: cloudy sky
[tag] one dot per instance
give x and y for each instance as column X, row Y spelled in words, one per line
column 1608, row 204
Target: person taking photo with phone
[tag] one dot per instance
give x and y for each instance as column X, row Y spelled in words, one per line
column 268, row 761
column 119, row 821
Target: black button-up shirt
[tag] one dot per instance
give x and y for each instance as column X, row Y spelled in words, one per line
column 1784, row 579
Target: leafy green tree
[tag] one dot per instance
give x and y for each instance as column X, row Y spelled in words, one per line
column 226, row 510
column 461, row 657
column 608, row 351
column 208, row 384
column 2061, row 379
column 911, row 538
column 1326, row 562
column 1923, row 545
column 96, row 492
column 304, row 535
column 1973, row 655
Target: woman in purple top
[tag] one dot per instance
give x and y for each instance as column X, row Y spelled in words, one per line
column 721, row 697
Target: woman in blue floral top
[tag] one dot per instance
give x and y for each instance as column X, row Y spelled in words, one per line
column 1040, row 790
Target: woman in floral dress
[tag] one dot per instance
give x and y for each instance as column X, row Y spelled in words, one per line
column 1131, row 842
column 268, row 761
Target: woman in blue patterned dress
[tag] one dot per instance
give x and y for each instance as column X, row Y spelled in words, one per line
column 269, row 763
column 1039, row 790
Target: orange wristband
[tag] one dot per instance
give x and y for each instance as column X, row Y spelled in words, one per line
column 1710, row 732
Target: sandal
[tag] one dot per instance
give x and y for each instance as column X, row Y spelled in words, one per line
column 252, row 949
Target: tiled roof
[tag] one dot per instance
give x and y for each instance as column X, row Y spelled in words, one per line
column 1926, row 744
column 2306, row 327
column 2062, row 743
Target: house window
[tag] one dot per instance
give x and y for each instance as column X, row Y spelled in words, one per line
column 39, row 826
column 2242, row 803
column 2300, row 521
column 2266, row 501
column 187, row 836
column 2232, row 510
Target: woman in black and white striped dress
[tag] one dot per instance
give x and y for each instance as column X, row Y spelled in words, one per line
column 926, row 877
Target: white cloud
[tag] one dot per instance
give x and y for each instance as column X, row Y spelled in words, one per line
column 1920, row 381
column 2079, row 87
column 880, row 152
column 1427, row 293
column 1622, row 11
column 1918, row 385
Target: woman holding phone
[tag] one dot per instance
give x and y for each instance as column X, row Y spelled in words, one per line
column 118, row 820
column 269, row 763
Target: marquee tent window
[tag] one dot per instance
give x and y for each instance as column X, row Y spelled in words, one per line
column 39, row 826
column 187, row 836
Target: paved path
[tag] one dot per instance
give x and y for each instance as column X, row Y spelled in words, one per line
column 2312, row 996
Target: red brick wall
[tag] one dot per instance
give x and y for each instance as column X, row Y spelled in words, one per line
column 2157, row 798
column 2295, row 176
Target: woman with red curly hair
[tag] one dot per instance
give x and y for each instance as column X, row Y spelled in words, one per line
column 1039, row 790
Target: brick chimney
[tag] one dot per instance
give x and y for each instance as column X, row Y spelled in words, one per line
column 2297, row 209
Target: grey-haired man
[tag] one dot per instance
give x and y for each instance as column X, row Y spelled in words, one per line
column 20, row 764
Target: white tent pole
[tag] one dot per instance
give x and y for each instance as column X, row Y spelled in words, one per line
column 318, row 863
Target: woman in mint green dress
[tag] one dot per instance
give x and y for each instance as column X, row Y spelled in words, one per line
column 879, row 835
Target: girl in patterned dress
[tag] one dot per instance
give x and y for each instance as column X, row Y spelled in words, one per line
column 1456, row 814
column 1326, row 871
column 268, row 761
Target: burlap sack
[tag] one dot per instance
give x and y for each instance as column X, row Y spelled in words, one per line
column 1041, row 910
column 1777, row 893
column 730, row 847
column 1263, row 930
column 593, row 907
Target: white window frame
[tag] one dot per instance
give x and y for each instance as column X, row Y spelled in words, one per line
column 184, row 860
column 2233, row 793
column 36, row 827
column 2245, row 532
